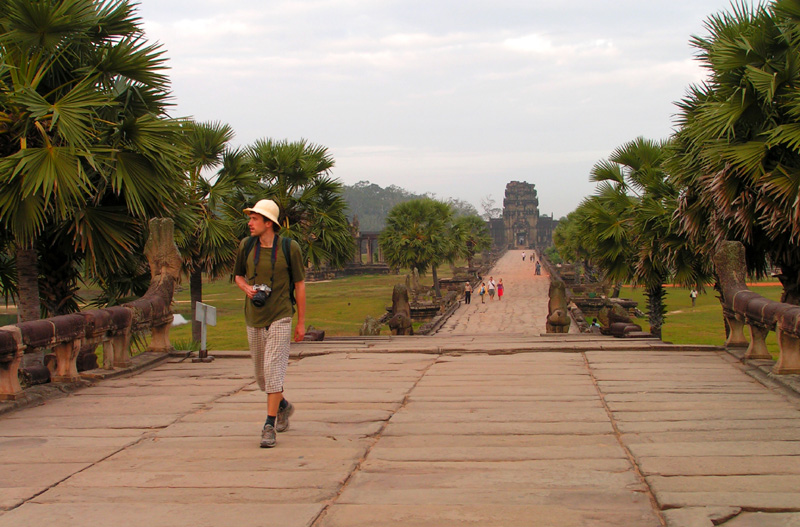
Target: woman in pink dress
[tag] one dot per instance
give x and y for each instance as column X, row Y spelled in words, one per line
column 500, row 289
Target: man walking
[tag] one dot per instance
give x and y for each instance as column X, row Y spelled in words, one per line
column 270, row 271
column 491, row 286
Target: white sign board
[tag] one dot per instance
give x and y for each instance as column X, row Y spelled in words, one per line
column 206, row 314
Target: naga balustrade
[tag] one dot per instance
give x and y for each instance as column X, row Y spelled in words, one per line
column 112, row 327
column 742, row 306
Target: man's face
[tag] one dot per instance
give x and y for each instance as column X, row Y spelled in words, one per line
column 258, row 224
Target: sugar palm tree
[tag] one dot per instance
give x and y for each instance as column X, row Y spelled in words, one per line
column 737, row 151
column 85, row 149
column 417, row 236
column 632, row 216
column 296, row 175
column 210, row 237
column 470, row 236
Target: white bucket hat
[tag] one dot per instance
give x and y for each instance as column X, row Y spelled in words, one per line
column 267, row 208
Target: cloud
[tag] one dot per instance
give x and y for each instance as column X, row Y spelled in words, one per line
column 530, row 44
column 455, row 97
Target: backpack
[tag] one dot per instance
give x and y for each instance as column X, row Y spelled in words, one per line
column 286, row 244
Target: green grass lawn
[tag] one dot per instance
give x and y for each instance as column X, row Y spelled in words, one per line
column 702, row 324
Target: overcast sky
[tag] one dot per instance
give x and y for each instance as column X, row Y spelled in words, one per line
column 455, row 97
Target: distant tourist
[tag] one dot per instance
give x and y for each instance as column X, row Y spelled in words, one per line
column 482, row 292
column 595, row 324
column 538, row 268
column 500, row 289
column 523, row 256
column 467, row 292
column 693, row 296
column 491, row 287
column 265, row 274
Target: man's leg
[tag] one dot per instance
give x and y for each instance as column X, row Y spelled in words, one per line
column 274, row 403
column 276, row 360
column 257, row 339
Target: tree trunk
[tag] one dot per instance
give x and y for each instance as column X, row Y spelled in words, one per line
column 616, row 290
column 718, row 289
column 790, row 280
column 436, row 289
column 655, row 308
column 196, row 295
column 29, row 307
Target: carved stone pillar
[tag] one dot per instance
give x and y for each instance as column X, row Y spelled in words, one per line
column 789, row 359
column 66, row 353
column 758, row 344
column 736, row 338
column 10, row 388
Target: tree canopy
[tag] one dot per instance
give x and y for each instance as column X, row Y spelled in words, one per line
column 296, row 175
column 628, row 227
column 87, row 153
column 737, row 149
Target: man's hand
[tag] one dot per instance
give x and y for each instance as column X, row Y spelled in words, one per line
column 248, row 289
column 299, row 332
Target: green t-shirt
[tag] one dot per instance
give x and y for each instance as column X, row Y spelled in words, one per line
column 278, row 304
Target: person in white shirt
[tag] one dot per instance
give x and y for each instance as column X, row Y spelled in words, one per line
column 491, row 288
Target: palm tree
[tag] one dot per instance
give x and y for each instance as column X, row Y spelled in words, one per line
column 86, row 153
column 573, row 240
column 210, row 236
column 737, row 151
column 417, row 236
column 632, row 217
column 470, row 236
column 296, row 175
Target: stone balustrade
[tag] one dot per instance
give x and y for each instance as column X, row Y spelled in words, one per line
column 111, row 327
column 742, row 306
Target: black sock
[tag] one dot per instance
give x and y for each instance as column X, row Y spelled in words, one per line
column 284, row 404
column 271, row 419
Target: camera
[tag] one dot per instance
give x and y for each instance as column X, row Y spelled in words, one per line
column 262, row 292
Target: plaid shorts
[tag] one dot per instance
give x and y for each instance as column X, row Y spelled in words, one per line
column 269, row 349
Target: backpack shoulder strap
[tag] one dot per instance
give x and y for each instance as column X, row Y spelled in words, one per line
column 249, row 244
column 286, row 243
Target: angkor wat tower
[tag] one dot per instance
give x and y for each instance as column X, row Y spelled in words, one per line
column 520, row 215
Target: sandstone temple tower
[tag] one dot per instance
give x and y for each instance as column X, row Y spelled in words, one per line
column 520, row 215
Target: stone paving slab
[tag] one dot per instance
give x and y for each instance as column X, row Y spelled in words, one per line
column 752, row 499
column 485, row 515
column 750, row 434
column 719, row 448
column 59, row 449
column 763, row 464
column 760, row 519
column 100, row 514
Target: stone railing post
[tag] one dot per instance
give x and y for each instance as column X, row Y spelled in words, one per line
column 788, row 329
column 11, row 351
column 740, row 306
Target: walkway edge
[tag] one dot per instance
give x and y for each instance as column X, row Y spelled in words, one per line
column 41, row 393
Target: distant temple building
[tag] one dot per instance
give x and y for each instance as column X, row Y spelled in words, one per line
column 521, row 227
column 520, row 214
